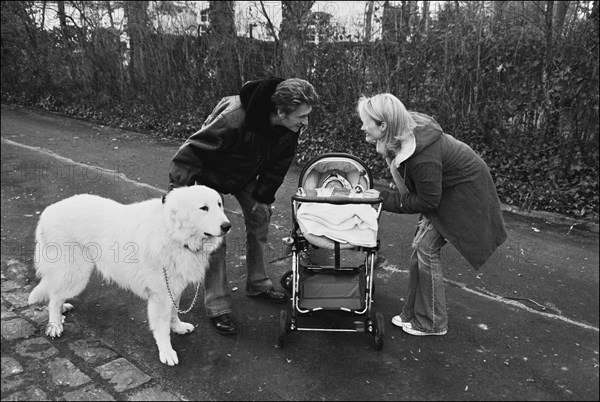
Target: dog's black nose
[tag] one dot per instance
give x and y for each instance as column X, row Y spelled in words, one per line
column 225, row 227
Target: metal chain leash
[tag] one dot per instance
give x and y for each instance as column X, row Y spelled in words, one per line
column 173, row 300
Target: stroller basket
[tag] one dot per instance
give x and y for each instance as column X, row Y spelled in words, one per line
column 335, row 209
column 333, row 290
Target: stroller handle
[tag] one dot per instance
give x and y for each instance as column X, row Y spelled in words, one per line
column 338, row 200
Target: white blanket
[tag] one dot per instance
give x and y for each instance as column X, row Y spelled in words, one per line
column 349, row 223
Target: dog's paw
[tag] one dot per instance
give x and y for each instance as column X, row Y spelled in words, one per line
column 182, row 328
column 54, row 329
column 168, row 357
column 66, row 307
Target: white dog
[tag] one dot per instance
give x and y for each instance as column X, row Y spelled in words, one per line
column 153, row 248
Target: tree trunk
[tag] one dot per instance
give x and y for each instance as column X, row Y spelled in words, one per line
column 409, row 11
column 221, row 17
column 559, row 17
column 223, row 52
column 43, row 14
column 594, row 16
column 425, row 18
column 368, row 20
column 109, row 11
column 137, row 23
column 548, row 104
column 293, row 34
column 499, row 10
column 478, row 81
column 62, row 18
column 391, row 24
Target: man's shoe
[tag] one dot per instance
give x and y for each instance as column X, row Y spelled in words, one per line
column 272, row 295
column 224, row 324
column 408, row 328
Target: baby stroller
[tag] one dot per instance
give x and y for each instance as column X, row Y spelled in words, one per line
column 333, row 245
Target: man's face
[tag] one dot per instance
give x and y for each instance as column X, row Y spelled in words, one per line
column 298, row 118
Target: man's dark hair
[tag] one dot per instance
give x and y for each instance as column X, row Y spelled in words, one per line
column 293, row 92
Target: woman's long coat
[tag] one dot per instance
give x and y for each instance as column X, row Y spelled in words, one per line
column 452, row 186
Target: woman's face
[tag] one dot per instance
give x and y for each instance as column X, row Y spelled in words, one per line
column 374, row 130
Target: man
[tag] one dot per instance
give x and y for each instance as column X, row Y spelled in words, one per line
column 245, row 148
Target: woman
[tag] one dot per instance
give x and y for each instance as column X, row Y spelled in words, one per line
column 446, row 182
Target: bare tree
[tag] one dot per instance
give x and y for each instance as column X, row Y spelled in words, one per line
column 138, row 22
column 269, row 25
column 221, row 17
column 223, row 55
column 559, row 17
column 391, row 23
column 62, row 18
column 499, row 6
column 547, row 71
column 425, row 18
column 368, row 20
column 399, row 22
column 294, row 15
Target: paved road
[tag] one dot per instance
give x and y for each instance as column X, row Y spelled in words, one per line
column 524, row 327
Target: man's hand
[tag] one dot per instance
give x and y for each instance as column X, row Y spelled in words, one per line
column 258, row 206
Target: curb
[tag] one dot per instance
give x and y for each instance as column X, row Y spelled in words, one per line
column 554, row 218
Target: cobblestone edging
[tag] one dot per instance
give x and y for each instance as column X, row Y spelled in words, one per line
column 74, row 368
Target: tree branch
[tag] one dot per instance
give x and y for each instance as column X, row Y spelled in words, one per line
column 270, row 26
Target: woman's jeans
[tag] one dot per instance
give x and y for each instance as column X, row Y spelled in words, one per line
column 217, row 297
column 425, row 306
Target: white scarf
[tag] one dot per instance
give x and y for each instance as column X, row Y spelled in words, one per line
column 398, row 181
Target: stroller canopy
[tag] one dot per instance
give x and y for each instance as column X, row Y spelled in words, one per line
column 335, row 170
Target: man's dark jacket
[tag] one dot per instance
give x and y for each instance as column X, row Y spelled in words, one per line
column 236, row 145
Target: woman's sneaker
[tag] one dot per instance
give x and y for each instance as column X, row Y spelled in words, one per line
column 397, row 321
column 408, row 328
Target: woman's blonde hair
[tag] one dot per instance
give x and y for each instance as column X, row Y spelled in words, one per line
column 387, row 108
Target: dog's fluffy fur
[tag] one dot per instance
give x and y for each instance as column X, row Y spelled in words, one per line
column 130, row 245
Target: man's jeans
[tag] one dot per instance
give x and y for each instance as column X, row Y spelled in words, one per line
column 217, row 297
column 425, row 305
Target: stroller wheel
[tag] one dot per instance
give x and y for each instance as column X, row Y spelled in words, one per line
column 284, row 327
column 286, row 280
column 379, row 331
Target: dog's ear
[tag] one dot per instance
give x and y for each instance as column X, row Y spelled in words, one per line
column 180, row 218
column 182, row 221
column 172, row 211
